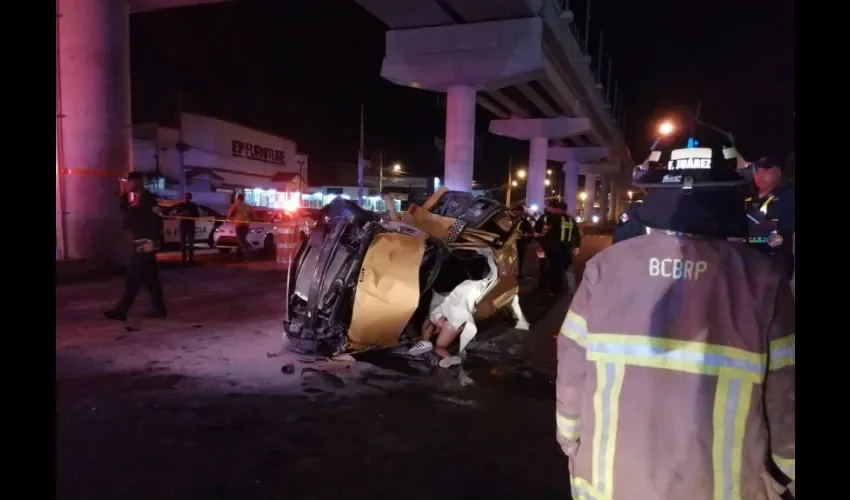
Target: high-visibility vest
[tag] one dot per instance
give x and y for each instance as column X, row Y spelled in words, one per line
column 566, row 227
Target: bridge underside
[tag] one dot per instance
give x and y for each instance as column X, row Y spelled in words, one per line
column 151, row 5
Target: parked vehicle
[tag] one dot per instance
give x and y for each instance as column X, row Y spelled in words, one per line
column 205, row 226
column 260, row 230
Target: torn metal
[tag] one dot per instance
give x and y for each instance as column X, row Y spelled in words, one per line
column 358, row 282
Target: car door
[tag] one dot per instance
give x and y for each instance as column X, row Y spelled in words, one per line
column 259, row 220
column 205, row 224
column 170, row 225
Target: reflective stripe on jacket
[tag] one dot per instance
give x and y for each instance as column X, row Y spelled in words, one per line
column 675, row 364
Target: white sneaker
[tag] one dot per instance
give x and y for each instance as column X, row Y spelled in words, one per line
column 450, row 361
column 420, row 348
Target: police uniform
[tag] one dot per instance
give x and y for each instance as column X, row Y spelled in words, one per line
column 628, row 227
column 560, row 235
column 142, row 222
column 190, row 213
column 772, row 223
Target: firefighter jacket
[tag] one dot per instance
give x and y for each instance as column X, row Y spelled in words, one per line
column 676, row 373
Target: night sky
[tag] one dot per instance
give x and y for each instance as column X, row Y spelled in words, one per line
column 301, row 68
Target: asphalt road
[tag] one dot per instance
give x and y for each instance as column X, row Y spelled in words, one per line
column 205, row 405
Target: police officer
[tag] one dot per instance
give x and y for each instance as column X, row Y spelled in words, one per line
column 142, row 222
column 525, row 233
column 771, row 214
column 655, row 336
column 189, row 213
column 559, row 238
column 628, row 227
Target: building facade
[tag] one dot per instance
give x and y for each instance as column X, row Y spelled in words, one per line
column 220, row 159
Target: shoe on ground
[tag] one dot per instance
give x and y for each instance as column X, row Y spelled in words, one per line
column 420, row 348
column 115, row 314
column 450, row 361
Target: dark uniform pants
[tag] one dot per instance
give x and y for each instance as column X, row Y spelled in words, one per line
column 242, row 238
column 553, row 268
column 521, row 250
column 187, row 241
column 142, row 271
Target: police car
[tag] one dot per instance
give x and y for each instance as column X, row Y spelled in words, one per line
column 205, row 226
column 261, row 230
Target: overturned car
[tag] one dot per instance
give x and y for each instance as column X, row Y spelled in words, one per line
column 358, row 282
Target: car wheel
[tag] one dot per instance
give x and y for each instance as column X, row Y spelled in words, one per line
column 224, row 250
column 268, row 246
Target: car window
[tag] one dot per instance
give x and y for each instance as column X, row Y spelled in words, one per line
column 261, row 215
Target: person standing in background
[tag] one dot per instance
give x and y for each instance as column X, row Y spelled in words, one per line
column 241, row 213
column 189, row 213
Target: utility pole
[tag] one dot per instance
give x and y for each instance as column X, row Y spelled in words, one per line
column 381, row 172
column 182, row 147
column 510, row 182
column 360, row 162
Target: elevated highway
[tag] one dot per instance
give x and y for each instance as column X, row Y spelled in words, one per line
column 520, row 60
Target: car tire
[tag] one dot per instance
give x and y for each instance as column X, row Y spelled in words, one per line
column 224, row 250
column 268, row 246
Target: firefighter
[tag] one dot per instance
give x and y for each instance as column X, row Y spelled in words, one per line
column 560, row 239
column 628, row 227
column 771, row 213
column 676, row 375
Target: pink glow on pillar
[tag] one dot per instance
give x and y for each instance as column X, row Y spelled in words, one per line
column 536, row 185
column 93, row 95
column 460, row 137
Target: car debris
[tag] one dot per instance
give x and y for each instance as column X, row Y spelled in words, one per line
column 358, row 282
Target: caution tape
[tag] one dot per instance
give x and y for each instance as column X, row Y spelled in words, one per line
column 93, row 172
column 216, row 219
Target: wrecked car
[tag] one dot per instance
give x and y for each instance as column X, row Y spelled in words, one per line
column 358, row 282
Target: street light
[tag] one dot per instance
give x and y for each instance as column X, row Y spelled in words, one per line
column 630, row 194
column 664, row 129
column 514, row 183
column 547, row 181
column 396, row 168
column 582, row 196
column 520, row 174
column 548, row 171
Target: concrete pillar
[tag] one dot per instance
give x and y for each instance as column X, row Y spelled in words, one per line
column 536, row 185
column 590, row 191
column 460, row 137
column 94, row 138
column 603, row 199
column 571, row 186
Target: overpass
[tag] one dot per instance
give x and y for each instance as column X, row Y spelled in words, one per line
column 93, row 123
column 520, row 60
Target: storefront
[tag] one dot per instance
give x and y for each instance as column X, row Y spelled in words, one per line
column 221, row 160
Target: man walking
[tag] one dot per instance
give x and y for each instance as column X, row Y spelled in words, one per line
column 141, row 221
